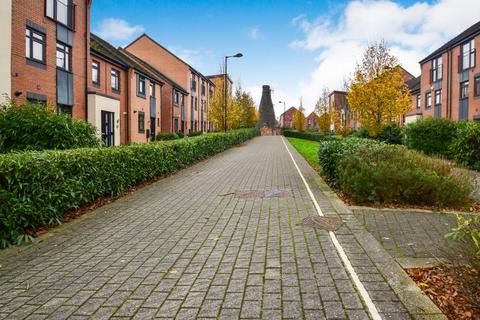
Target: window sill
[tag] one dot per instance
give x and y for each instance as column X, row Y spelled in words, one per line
column 141, row 96
column 116, row 91
column 96, row 84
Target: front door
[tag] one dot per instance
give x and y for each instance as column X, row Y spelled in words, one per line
column 152, row 128
column 108, row 128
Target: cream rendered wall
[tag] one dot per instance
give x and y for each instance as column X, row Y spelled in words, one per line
column 97, row 104
column 5, row 49
column 410, row 119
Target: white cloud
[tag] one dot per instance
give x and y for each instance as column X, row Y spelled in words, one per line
column 192, row 57
column 117, row 29
column 412, row 32
column 255, row 33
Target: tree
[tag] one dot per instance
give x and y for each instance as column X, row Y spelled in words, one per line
column 299, row 119
column 322, row 104
column 324, row 121
column 377, row 93
column 246, row 108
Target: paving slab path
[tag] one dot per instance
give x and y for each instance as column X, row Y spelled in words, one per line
column 221, row 239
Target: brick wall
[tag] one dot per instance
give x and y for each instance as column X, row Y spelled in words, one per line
column 27, row 78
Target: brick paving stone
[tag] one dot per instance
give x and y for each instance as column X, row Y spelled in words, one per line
column 186, row 247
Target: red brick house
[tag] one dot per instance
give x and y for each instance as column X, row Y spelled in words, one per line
column 312, row 121
column 197, row 85
column 45, row 57
column 450, row 79
column 286, row 118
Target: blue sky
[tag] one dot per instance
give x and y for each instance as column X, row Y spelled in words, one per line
column 298, row 47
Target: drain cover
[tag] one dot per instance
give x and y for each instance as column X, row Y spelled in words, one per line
column 325, row 223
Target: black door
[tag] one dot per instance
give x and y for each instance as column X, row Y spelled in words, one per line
column 108, row 128
column 152, row 128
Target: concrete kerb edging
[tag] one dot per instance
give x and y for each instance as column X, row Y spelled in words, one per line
column 415, row 301
column 411, row 210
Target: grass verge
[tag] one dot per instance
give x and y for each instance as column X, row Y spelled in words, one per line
column 308, row 149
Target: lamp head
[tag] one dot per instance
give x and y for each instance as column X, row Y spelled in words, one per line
column 238, row 55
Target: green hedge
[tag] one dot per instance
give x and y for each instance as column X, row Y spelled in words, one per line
column 369, row 171
column 465, row 148
column 164, row 136
column 313, row 136
column 33, row 127
column 195, row 133
column 431, row 136
column 37, row 188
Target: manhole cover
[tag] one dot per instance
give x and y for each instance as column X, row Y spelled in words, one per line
column 325, row 223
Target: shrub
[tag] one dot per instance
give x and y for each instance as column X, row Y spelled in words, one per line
column 467, row 232
column 195, row 133
column 37, row 188
column 33, row 127
column 313, row 136
column 431, row 135
column 360, row 133
column 330, row 153
column 392, row 134
column 163, row 136
column 180, row 134
column 465, row 148
column 394, row 174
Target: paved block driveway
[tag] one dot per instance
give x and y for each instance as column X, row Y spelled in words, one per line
column 187, row 247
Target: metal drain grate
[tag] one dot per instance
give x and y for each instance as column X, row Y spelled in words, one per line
column 325, row 223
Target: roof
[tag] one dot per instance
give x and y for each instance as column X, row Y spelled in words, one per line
column 337, row 91
column 151, row 68
column 170, row 52
column 289, row 110
column 465, row 35
column 414, row 84
column 220, row 75
column 108, row 51
column 312, row 114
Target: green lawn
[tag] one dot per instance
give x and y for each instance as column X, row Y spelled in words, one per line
column 308, row 149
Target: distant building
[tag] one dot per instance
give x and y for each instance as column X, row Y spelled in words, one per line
column 337, row 101
column 286, row 118
column 312, row 121
column 416, row 111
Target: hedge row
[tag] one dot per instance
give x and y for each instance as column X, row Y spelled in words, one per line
column 369, row 171
column 313, row 136
column 33, row 127
column 37, row 188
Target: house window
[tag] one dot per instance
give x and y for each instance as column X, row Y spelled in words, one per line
column 438, row 97
column 476, row 86
column 64, row 109
column 95, row 72
column 140, row 86
column 64, row 58
column 141, row 122
column 464, row 90
column 62, row 11
column 194, row 83
column 437, row 69
column 203, row 88
column 468, row 55
column 176, row 97
column 151, row 90
column 35, row 45
column 419, row 101
column 115, row 80
column 196, row 103
column 428, row 100
column 175, row 125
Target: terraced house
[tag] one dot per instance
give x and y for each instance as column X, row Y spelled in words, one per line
column 44, row 58
column 193, row 115
column 450, row 79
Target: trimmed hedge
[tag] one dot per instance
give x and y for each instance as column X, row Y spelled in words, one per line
column 313, row 136
column 33, row 127
column 431, row 136
column 465, row 148
column 369, row 171
column 195, row 133
column 164, row 136
column 37, row 188
column 330, row 153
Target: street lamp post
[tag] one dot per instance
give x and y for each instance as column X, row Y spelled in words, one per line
column 238, row 55
column 283, row 116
